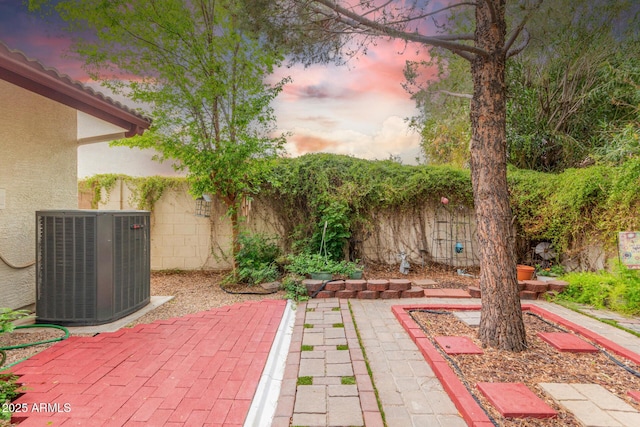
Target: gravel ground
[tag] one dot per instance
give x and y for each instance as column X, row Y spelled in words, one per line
column 196, row 291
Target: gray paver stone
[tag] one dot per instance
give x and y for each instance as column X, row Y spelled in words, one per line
column 309, row 420
column 338, row 356
column 339, row 370
column 603, row 397
column 345, row 411
column 628, row 419
column 311, row 368
column 311, row 399
column 342, row 390
column 589, row 414
column 313, row 338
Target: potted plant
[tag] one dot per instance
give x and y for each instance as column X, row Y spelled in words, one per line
column 317, row 266
column 320, row 267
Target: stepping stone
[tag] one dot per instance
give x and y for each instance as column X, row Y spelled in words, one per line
column 635, row 395
column 515, row 400
column 528, row 295
column 471, row 318
column 536, row 286
column 326, row 294
column 368, row 294
column 458, row 345
column 271, row 286
column 563, row 341
column 312, row 285
column 557, row 285
column 424, row 283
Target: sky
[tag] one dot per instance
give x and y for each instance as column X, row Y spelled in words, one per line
column 359, row 109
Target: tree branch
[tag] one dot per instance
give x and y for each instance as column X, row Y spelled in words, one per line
column 355, row 20
column 516, row 50
column 456, row 94
column 518, row 30
column 435, row 12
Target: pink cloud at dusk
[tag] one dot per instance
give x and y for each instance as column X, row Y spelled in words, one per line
column 356, row 109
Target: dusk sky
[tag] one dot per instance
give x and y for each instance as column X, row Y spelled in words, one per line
column 358, row 109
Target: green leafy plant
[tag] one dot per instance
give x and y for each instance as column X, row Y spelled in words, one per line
column 256, row 259
column 333, row 230
column 8, row 316
column 553, row 270
column 617, row 290
column 9, row 389
column 305, row 263
column 294, row 289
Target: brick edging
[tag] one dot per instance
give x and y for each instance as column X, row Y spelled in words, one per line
column 470, row 410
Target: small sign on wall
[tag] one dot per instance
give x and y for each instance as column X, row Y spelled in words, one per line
column 629, row 249
column 3, row 198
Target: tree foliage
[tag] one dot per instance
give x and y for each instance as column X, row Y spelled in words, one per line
column 200, row 70
column 572, row 94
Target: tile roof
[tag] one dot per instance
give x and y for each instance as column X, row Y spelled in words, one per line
column 30, row 74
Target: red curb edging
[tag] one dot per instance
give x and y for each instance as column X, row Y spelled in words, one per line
column 470, row 410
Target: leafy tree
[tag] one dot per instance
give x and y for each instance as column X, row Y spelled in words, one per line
column 203, row 74
column 443, row 103
column 572, row 94
column 572, row 91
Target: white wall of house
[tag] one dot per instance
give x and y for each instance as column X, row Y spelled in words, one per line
column 38, row 170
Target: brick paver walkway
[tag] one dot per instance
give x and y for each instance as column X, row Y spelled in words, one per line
column 196, row 370
column 326, row 380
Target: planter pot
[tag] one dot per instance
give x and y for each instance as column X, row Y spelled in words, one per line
column 525, row 272
column 321, row 276
column 356, row 275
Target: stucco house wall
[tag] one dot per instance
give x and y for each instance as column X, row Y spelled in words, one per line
column 37, row 171
column 44, row 116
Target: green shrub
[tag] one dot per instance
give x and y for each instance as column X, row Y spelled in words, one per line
column 294, row 289
column 9, row 389
column 618, row 290
column 303, row 264
column 256, row 259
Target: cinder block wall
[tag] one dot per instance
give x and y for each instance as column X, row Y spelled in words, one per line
column 182, row 240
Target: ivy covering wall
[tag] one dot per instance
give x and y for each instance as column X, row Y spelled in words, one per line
column 573, row 209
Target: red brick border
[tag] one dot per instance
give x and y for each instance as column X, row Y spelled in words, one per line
column 472, row 413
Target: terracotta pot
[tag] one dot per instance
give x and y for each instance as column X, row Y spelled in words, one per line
column 525, row 272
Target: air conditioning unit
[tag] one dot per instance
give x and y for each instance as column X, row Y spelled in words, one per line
column 93, row 267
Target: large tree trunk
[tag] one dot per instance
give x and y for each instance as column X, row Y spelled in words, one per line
column 501, row 324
